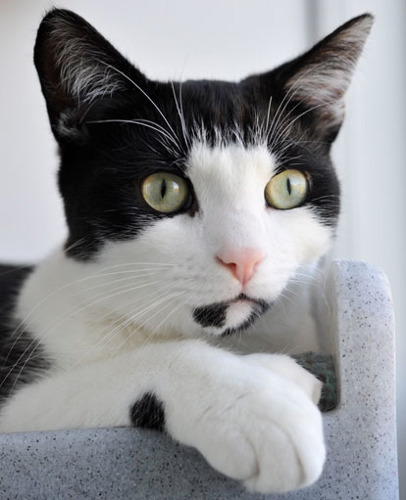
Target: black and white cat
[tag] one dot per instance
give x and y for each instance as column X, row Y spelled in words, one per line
column 193, row 208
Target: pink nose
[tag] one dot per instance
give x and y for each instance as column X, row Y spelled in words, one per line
column 241, row 262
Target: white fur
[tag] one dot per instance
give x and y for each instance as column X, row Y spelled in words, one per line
column 118, row 326
column 247, row 418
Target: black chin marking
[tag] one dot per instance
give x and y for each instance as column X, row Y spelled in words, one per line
column 213, row 315
column 259, row 310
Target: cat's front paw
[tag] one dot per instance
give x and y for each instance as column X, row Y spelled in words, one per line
column 289, row 369
column 290, row 444
column 257, row 427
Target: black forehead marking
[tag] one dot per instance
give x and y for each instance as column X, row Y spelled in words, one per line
column 218, row 107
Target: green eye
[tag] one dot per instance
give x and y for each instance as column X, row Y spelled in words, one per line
column 165, row 192
column 287, row 190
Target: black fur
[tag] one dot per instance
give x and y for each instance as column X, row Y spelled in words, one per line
column 212, row 315
column 104, row 162
column 21, row 358
column 148, row 412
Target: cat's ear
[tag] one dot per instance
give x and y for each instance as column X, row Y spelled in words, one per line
column 318, row 79
column 78, row 69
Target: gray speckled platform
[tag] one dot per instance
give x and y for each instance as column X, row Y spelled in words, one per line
column 133, row 464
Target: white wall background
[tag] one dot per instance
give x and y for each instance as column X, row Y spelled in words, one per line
column 223, row 39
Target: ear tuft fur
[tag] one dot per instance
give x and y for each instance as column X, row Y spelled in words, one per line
column 76, row 66
column 322, row 75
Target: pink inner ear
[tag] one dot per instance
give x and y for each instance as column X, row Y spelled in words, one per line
column 242, row 262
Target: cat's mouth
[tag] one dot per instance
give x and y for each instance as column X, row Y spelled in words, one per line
column 230, row 316
column 245, row 299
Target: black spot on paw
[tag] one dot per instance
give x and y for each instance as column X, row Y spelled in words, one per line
column 148, row 412
column 213, row 315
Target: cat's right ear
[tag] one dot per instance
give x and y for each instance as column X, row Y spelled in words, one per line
column 313, row 85
column 78, row 70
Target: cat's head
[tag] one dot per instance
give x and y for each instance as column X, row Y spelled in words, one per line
column 207, row 196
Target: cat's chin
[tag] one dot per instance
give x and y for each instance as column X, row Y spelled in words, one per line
column 228, row 317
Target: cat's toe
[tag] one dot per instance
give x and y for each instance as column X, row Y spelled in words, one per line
column 291, row 452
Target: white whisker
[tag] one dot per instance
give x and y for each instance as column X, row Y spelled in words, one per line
column 174, row 136
column 179, row 108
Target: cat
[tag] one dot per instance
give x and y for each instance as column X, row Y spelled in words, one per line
column 192, row 208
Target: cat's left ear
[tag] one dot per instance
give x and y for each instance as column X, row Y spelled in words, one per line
column 318, row 79
column 78, row 70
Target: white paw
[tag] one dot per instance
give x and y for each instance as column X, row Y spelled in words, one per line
column 289, row 369
column 256, row 426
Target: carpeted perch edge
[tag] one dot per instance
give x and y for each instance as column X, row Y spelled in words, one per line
column 322, row 367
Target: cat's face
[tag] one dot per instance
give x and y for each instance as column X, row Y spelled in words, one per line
column 222, row 265
column 206, row 196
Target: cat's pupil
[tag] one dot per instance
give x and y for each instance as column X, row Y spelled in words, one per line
column 163, row 188
column 288, row 186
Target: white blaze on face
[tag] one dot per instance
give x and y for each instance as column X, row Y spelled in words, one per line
column 229, row 183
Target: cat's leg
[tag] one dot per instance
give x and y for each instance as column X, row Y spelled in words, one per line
column 242, row 413
column 288, row 368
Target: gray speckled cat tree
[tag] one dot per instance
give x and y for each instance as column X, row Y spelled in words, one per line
column 356, row 313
